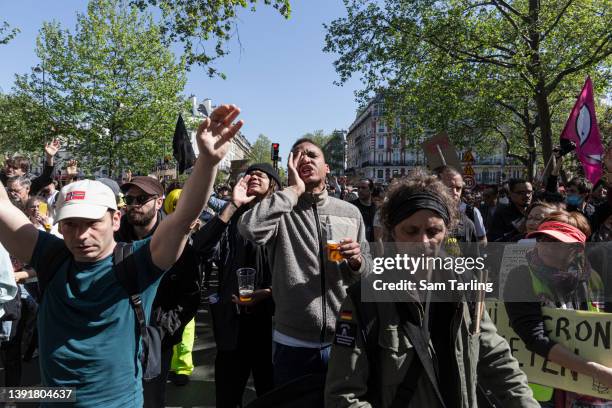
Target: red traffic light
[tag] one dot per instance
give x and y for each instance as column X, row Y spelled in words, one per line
column 275, row 151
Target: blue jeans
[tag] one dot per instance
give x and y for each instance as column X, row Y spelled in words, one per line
column 294, row 362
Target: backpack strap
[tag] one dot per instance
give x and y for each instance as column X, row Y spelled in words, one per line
column 125, row 271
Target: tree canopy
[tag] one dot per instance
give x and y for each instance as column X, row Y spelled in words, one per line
column 110, row 89
column 261, row 150
column 483, row 71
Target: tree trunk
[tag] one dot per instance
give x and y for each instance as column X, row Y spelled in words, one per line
column 539, row 80
column 544, row 123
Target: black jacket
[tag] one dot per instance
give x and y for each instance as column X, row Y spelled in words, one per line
column 230, row 251
column 178, row 294
column 503, row 225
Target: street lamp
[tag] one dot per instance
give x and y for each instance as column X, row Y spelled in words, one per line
column 41, row 69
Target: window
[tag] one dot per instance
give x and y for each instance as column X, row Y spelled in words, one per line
column 381, row 142
column 380, row 174
column 396, row 139
column 381, row 127
column 396, row 157
column 380, row 158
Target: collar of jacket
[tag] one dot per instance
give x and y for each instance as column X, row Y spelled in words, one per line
column 311, row 198
column 126, row 230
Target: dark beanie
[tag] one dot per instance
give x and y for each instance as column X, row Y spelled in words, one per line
column 266, row 168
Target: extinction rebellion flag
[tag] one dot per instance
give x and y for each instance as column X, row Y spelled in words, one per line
column 581, row 128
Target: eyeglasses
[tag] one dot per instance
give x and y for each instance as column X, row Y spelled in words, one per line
column 139, row 200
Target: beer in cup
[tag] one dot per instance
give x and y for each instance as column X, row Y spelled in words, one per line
column 246, row 283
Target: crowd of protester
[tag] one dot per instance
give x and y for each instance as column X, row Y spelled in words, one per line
column 95, row 299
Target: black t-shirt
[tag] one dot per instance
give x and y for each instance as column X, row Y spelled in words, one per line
column 367, row 212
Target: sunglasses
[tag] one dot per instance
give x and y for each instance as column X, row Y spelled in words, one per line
column 139, row 200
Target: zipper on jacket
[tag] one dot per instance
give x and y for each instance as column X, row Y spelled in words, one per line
column 322, row 260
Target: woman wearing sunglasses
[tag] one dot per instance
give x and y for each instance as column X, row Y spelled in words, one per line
column 560, row 277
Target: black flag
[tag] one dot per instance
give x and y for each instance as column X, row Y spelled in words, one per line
column 181, row 147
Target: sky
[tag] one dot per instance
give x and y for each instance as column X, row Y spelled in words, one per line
column 278, row 75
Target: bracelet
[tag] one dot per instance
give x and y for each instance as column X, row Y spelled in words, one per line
column 234, row 204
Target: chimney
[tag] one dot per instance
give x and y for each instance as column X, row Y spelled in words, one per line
column 194, row 105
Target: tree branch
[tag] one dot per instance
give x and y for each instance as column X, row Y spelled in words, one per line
column 499, row 3
column 522, row 159
column 554, row 24
column 591, row 60
column 512, row 23
column 513, row 110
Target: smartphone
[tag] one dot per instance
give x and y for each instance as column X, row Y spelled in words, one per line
column 42, row 208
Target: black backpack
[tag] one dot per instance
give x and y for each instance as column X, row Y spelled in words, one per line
column 125, row 271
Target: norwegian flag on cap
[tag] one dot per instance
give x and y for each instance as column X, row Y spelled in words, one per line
column 75, row 195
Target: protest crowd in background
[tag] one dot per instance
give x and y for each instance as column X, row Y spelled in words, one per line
column 101, row 281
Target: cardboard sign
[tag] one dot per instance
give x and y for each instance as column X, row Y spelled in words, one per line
column 588, row 334
column 440, row 151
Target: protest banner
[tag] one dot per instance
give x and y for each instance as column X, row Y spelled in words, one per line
column 588, row 334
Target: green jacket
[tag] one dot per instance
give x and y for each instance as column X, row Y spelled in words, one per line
column 483, row 357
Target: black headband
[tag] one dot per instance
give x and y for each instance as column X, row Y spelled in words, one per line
column 423, row 200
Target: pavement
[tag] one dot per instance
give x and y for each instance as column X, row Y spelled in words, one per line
column 199, row 392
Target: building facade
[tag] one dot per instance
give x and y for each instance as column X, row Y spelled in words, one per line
column 374, row 151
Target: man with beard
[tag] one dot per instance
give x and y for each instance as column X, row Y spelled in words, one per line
column 295, row 224
column 177, row 298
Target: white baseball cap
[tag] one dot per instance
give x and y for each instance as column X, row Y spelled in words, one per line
column 84, row 199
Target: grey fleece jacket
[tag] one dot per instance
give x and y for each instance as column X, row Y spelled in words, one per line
column 306, row 305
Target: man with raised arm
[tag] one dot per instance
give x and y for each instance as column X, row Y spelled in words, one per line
column 295, row 224
column 87, row 328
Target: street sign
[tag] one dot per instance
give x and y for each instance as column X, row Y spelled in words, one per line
column 468, row 170
column 468, row 156
column 469, row 182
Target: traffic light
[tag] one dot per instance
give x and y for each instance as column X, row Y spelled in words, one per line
column 275, row 152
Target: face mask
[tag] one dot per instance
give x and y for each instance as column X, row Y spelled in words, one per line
column 504, row 200
column 573, row 200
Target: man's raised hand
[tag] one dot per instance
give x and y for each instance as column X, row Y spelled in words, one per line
column 215, row 132
column 294, row 180
column 52, row 148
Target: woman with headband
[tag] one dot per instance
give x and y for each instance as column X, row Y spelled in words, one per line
column 558, row 276
column 391, row 354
